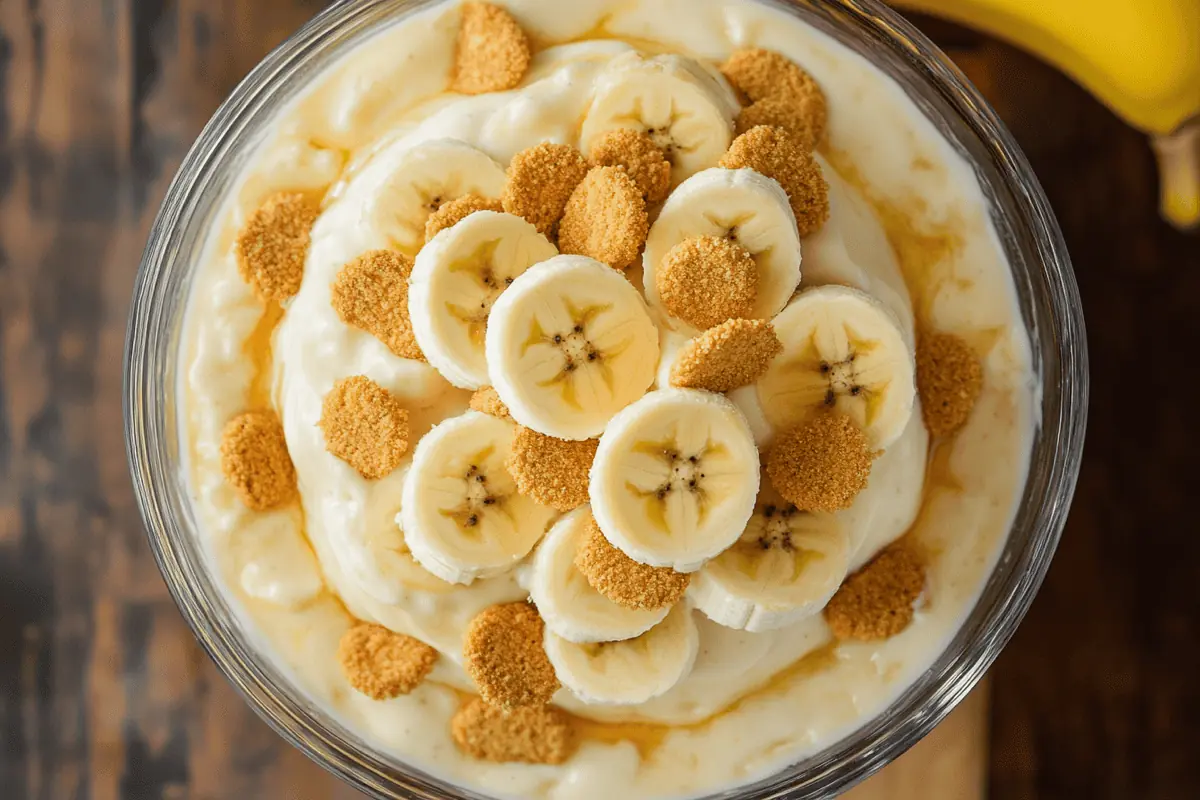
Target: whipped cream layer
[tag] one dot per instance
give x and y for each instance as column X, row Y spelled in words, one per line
column 909, row 225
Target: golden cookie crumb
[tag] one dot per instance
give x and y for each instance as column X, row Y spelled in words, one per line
column 554, row 472
column 783, row 113
column 492, row 51
column 877, row 601
column 487, row 401
column 381, row 663
column 645, row 161
column 255, row 460
column 772, row 152
column 365, row 426
column 273, row 244
column 605, row 218
column 450, row 214
column 503, row 654
column 707, row 280
column 822, row 464
column 627, row 582
column 734, row 353
column 371, row 293
column 780, row 92
column 540, row 182
column 530, row 735
column 949, row 379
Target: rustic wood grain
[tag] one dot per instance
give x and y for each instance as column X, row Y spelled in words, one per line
column 103, row 692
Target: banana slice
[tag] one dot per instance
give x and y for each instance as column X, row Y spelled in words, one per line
column 675, row 477
column 841, row 349
column 741, row 205
column 683, row 108
column 572, row 609
column 785, row 567
column 422, row 179
column 460, row 511
column 632, row 671
column 570, row 344
column 455, row 281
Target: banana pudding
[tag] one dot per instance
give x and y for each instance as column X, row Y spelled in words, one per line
column 605, row 397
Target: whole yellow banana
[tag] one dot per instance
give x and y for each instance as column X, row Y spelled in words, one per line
column 1139, row 57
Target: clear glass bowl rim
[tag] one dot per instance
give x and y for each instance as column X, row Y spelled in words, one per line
column 1050, row 302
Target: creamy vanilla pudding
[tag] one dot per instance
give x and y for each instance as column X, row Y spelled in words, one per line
column 711, row 414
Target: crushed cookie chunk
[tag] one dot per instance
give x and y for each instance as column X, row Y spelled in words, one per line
column 605, row 218
column 492, row 52
column 637, row 153
column 878, row 601
column 503, row 654
column 365, row 426
column 485, row 400
column 450, row 214
column 780, row 93
column 822, row 464
column 626, row 582
column 554, row 472
column 381, row 663
column 371, row 293
column 949, row 380
column 781, row 112
column 772, row 152
column 540, row 182
column 732, row 354
column 255, row 460
column 707, row 280
column 273, row 244
column 529, row 735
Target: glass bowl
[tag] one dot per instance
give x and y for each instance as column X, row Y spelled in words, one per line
column 1049, row 303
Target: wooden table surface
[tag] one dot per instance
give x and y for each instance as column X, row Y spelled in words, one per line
column 104, row 694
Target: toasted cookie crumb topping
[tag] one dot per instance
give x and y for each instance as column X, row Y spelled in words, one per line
column 877, row 601
column 949, row 379
column 772, row 152
column 707, row 280
column 273, row 244
column 554, row 472
column 450, row 214
column 785, row 113
column 492, row 51
column 487, row 401
column 780, row 93
column 644, row 160
column 365, row 426
column 381, row 663
column 605, row 218
column 371, row 293
column 540, row 182
column 255, row 460
column 734, row 353
column 529, row 735
column 822, row 464
column 625, row 581
column 503, row 654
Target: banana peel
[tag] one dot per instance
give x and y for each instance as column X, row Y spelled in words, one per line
column 1141, row 58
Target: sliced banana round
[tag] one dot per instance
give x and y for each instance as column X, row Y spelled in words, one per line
column 460, row 511
column 571, row 608
column 785, row 567
column 675, row 478
column 684, row 109
column 455, row 282
column 843, row 350
column 424, row 177
column 740, row 205
column 631, row 671
column 569, row 344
